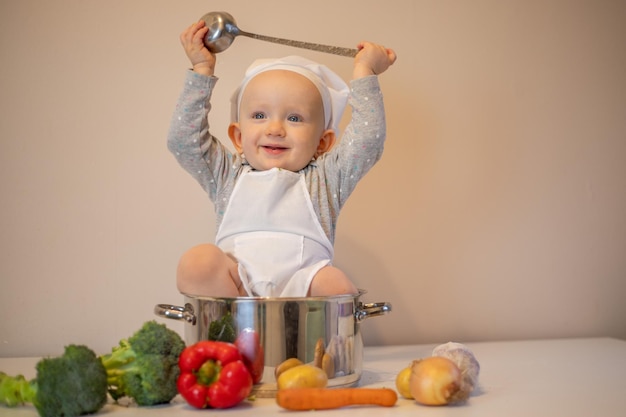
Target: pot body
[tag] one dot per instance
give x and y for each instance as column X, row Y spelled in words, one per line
column 285, row 327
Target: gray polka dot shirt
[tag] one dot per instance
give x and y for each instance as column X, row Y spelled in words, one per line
column 330, row 179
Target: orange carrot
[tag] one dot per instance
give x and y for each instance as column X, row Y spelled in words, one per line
column 301, row 399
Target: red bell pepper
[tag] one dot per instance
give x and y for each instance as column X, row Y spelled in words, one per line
column 213, row 375
column 252, row 353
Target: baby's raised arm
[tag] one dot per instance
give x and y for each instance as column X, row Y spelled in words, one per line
column 372, row 59
column 202, row 60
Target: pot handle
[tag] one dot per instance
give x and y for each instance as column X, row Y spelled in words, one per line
column 365, row 311
column 176, row 312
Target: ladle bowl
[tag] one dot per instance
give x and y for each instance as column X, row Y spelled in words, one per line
column 222, row 31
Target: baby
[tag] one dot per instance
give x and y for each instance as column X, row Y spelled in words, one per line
column 278, row 197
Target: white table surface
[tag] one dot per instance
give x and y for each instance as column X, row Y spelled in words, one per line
column 563, row 377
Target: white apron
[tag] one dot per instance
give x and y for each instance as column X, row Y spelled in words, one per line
column 271, row 229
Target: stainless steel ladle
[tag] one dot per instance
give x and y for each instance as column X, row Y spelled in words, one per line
column 223, row 30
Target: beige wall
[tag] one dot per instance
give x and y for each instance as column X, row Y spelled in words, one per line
column 497, row 212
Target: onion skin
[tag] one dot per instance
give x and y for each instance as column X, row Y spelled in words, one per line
column 436, row 381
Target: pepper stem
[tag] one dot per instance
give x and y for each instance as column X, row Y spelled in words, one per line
column 208, row 372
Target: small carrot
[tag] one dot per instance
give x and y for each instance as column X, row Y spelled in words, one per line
column 302, row 399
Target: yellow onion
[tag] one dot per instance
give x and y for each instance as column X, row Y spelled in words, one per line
column 436, row 381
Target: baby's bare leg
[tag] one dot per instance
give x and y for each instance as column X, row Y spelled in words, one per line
column 331, row 281
column 206, row 270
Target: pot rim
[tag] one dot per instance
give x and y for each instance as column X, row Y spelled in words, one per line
column 281, row 299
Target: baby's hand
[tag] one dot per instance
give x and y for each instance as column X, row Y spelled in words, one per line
column 202, row 60
column 372, row 59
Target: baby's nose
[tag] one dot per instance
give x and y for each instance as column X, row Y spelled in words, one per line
column 275, row 128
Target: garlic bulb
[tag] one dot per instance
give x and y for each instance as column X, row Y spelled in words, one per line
column 463, row 357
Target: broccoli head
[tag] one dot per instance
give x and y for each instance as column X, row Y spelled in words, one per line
column 73, row 384
column 144, row 367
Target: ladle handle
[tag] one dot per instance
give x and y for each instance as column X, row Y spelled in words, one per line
column 336, row 50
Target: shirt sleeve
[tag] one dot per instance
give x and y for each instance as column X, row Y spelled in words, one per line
column 362, row 143
column 196, row 150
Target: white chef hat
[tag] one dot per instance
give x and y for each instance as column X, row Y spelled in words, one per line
column 332, row 88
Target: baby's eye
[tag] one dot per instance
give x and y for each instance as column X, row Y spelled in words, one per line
column 294, row 118
column 258, row 115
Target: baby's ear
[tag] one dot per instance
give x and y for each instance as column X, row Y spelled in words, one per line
column 234, row 133
column 327, row 141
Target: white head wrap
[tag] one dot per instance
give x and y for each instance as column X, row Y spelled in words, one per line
column 332, row 88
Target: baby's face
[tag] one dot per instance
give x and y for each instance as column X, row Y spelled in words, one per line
column 281, row 121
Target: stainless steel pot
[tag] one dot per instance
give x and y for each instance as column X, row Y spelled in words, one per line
column 287, row 328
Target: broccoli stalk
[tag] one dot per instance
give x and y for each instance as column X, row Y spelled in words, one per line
column 144, row 367
column 73, row 384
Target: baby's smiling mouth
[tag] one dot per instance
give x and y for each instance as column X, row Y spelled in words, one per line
column 274, row 148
